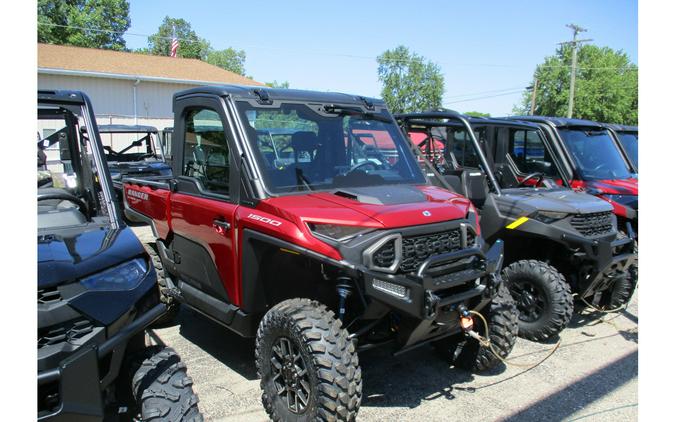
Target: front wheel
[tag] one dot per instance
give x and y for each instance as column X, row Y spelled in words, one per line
column 543, row 298
column 466, row 353
column 172, row 305
column 308, row 368
column 162, row 389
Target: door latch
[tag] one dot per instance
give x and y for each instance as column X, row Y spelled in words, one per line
column 221, row 226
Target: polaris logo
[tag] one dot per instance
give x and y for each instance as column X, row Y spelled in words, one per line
column 136, row 194
column 426, row 213
column 266, row 220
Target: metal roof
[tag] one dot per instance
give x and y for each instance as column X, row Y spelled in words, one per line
column 557, row 121
column 126, row 129
column 622, row 128
column 249, row 92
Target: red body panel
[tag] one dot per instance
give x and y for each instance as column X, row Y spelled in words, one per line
column 283, row 217
column 151, row 202
column 609, row 187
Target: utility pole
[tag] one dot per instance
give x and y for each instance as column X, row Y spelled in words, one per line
column 573, row 71
column 533, row 103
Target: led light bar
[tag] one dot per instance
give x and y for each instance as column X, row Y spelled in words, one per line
column 393, row 289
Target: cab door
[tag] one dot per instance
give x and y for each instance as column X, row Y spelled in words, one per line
column 203, row 204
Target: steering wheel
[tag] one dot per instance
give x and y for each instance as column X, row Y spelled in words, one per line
column 359, row 165
column 65, row 196
column 538, row 175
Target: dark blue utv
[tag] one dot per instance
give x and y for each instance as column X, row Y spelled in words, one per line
column 97, row 287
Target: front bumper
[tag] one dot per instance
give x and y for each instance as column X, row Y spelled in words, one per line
column 76, row 380
column 442, row 282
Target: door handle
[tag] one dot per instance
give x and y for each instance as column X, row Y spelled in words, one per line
column 221, row 225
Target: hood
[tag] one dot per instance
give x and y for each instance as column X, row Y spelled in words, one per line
column 609, row 187
column 560, row 200
column 378, row 206
column 67, row 258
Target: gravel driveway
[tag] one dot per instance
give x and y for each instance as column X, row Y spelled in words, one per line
column 591, row 377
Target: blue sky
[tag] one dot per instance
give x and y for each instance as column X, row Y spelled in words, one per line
column 483, row 47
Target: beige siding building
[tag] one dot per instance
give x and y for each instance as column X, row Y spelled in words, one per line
column 127, row 88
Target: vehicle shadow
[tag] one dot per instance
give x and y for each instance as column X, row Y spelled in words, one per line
column 387, row 380
column 232, row 350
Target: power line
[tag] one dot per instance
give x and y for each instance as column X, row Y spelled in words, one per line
column 322, row 53
column 484, row 97
column 494, row 91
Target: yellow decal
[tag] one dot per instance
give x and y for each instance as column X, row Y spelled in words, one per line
column 289, row 251
column 517, row 223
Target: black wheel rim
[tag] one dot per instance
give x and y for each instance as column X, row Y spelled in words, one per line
column 289, row 375
column 530, row 301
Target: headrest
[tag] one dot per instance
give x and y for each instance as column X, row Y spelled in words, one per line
column 305, row 141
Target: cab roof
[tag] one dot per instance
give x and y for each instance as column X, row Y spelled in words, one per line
column 126, row 129
column 558, row 121
column 255, row 93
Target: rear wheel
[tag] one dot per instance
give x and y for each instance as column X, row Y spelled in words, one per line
column 465, row 352
column 308, row 368
column 172, row 306
column 543, row 298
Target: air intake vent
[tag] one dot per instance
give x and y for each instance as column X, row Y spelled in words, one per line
column 595, row 224
column 417, row 249
column 48, row 296
column 70, row 332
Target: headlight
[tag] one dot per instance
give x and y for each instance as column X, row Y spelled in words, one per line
column 115, row 175
column 165, row 172
column 125, row 276
column 548, row 217
column 335, row 232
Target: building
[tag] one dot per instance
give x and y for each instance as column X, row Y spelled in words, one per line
column 127, row 88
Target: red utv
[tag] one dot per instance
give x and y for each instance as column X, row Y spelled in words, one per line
column 593, row 161
column 302, row 219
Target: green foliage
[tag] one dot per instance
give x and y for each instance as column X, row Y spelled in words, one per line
column 229, row 59
column 190, row 45
column 276, row 84
column 107, row 15
column 606, row 86
column 476, row 114
column 410, row 83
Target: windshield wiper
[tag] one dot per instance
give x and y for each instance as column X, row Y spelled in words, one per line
column 345, row 110
column 301, row 179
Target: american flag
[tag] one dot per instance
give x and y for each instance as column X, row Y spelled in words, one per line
column 174, row 45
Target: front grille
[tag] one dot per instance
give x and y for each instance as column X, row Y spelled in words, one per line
column 594, row 224
column 70, row 332
column 417, row 249
column 141, row 173
column 48, row 296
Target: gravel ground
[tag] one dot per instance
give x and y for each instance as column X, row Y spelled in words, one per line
column 591, row 377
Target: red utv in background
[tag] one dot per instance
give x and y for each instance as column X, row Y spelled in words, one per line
column 593, row 161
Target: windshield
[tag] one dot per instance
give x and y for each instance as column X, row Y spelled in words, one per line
column 130, row 147
column 303, row 148
column 595, row 153
column 629, row 140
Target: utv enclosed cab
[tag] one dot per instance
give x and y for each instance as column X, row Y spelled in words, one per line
column 628, row 139
column 548, row 230
column 96, row 289
column 593, row 160
column 306, row 211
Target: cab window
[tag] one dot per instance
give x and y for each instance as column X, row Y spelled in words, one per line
column 206, row 154
column 528, row 152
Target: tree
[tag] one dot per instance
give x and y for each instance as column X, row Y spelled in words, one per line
column 229, row 59
column 606, row 88
column 190, row 45
column 409, row 82
column 276, row 84
column 476, row 114
column 61, row 22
